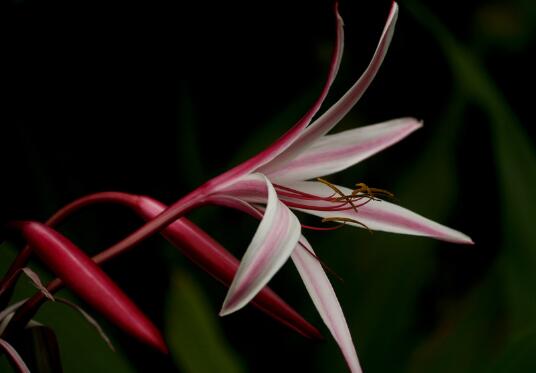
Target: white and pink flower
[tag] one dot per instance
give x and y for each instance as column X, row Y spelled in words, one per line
column 281, row 178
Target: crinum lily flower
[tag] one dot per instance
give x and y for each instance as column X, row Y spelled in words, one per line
column 275, row 181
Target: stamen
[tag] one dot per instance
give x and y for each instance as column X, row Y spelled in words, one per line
column 338, row 207
column 322, row 228
column 371, row 192
column 339, row 200
column 345, row 220
column 338, row 191
column 293, row 193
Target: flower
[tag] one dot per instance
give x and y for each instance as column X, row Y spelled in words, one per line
column 276, row 178
column 275, row 181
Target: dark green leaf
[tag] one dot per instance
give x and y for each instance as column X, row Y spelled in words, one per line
column 195, row 339
column 518, row 357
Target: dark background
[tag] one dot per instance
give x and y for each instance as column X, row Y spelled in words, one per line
column 154, row 98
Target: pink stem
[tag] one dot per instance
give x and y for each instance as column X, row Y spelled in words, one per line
column 194, row 243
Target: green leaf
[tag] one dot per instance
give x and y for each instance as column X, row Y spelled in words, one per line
column 196, row 342
column 518, row 357
column 466, row 336
column 516, row 174
column 82, row 348
column 43, row 350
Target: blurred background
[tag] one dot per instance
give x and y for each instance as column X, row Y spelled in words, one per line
column 155, row 98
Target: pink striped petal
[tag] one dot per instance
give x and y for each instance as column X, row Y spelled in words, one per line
column 295, row 131
column 333, row 153
column 272, row 244
column 331, row 117
column 250, row 188
column 316, row 282
column 325, row 300
column 382, row 216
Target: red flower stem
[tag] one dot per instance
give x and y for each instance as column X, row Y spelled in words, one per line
column 172, row 213
column 26, row 312
column 193, row 243
column 22, row 259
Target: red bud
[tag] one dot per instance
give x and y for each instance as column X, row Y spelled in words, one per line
column 89, row 282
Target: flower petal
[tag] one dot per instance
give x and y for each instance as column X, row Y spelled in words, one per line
column 325, row 300
column 332, row 116
column 315, row 279
column 272, row 244
column 295, row 131
column 381, row 215
column 333, row 153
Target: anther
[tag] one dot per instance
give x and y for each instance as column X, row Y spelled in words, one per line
column 343, row 197
column 371, row 192
column 344, row 220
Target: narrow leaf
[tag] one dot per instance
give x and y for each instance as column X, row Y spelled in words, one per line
column 94, row 323
column 14, row 357
column 34, row 277
column 43, row 349
column 196, row 341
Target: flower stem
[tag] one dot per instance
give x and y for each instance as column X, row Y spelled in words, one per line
column 25, row 313
column 172, row 213
column 192, row 242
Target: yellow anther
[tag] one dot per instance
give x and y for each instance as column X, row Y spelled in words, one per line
column 361, row 191
column 343, row 197
column 332, row 186
column 362, row 188
column 344, row 220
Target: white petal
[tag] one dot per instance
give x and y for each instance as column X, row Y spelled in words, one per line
column 325, row 300
column 381, row 215
column 331, row 117
column 333, row 153
column 271, row 246
column 251, row 188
